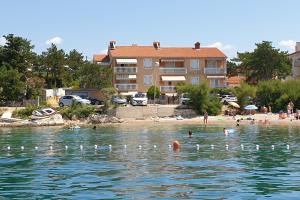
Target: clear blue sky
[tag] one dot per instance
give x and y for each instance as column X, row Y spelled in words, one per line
column 88, row 25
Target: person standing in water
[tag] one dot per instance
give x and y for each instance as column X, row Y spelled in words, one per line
column 205, row 117
column 190, row 133
column 225, row 131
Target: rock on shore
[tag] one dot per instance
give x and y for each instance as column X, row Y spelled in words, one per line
column 100, row 119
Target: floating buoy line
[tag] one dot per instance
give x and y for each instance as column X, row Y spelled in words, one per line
column 109, row 147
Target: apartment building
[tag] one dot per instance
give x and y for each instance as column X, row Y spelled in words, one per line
column 136, row 68
column 296, row 61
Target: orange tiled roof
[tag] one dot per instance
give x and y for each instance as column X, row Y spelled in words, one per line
column 167, row 52
column 101, row 58
column 236, row 80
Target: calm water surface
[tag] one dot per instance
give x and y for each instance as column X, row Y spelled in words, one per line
column 150, row 173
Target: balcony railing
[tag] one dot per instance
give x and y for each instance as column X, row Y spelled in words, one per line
column 168, row 88
column 172, row 70
column 125, row 87
column 125, row 77
column 125, row 70
column 214, row 70
column 218, row 85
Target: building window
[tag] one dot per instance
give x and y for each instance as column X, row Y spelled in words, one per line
column 211, row 64
column 147, row 79
column 195, row 64
column 214, row 82
column 195, row 80
column 147, row 63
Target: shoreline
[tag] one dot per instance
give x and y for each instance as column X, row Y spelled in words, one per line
column 260, row 119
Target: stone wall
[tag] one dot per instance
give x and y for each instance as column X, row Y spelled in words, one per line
column 153, row 111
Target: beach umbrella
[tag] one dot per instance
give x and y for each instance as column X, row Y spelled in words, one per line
column 250, row 107
column 233, row 104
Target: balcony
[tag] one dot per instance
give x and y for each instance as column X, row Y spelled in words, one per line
column 125, row 70
column 168, row 88
column 218, row 85
column 215, row 70
column 125, row 77
column 172, row 70
column 126, row 87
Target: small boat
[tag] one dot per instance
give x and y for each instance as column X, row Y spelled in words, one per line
column 179, row 117
column 43, row 112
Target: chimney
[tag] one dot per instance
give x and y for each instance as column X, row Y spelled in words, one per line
column 197, row 45
column 112, row 44
column 156, row 45
column 297, row 48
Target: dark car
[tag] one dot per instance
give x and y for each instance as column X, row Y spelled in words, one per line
column 95, row 101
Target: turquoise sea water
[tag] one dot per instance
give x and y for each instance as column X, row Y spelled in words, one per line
column 146, row 172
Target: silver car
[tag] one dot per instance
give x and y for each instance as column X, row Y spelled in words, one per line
column 68, row 100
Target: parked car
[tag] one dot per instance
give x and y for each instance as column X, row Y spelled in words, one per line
column 228, row 98
column 118, row 100
column 184, row 99
column 139, row 99
column 95, row 101
column 68, row 100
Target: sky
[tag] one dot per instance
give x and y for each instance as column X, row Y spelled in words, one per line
column 89, row 25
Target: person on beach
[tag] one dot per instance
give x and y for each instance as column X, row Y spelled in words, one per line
column 190, row 133
column 225, row 131
column 205, row 117
column 291, row 107
column 288, row 109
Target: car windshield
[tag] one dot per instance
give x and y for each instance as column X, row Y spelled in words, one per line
column 139, row 95
column 77, row 97
column 185, row 95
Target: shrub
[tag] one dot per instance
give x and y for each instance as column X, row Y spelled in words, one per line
column 25, row 112
column 150, row 92
column 201, row 100
column 77, row 111
column 277, row 94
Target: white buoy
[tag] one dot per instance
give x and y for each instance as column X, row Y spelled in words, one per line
column 198, row 146
column 36, row 148
column 257, row 147
column 81, row 147
column 212, row 146
column 170, row 146
column 154, row 146
column 22, row 148
column 8, row 148
column 287, row 147
column 51, row 148
column 273, row 147
column 242, row 146
column 125, row 146
column 95, row 146
column 140, row 146
column 227, row 146
column 66, row 147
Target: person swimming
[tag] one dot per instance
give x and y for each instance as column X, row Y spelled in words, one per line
column 225, row 131
column 190, row 133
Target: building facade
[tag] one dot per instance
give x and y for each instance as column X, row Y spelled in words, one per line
column 136, row 68
column 296, row 61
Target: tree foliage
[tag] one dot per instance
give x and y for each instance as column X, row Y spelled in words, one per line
column 245, row 94
column 278, row 94
column 11, row 86
column 95, row 76
column 264, row 63
column 200, row 97
column 150, row 92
